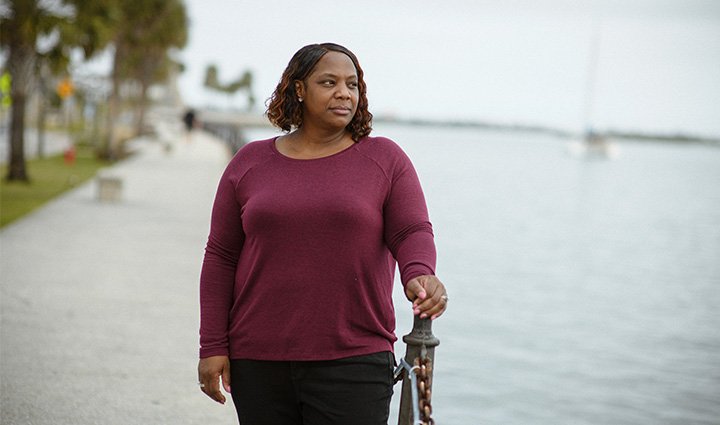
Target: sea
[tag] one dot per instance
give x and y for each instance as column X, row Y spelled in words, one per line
column 583, row 290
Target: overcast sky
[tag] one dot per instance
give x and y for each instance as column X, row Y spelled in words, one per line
column 658, row 61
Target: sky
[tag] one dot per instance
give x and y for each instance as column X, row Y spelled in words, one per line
column 655, row 66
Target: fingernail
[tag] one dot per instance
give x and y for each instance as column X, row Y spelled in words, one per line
column 424, row 315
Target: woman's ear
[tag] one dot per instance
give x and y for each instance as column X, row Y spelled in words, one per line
column 300, row 90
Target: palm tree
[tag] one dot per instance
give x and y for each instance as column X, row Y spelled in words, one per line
column 150, row 59
column 74, row 23
column 147, row 30
column 212, row 81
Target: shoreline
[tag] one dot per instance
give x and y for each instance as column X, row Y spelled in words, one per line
column 244, row 119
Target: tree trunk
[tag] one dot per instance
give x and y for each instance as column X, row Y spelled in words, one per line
column 16, row 169
column 141, row 108
column 20, row 64
column 41, row 122
column 108, row 150
column 112, row 116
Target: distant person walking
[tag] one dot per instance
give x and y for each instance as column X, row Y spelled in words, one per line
column 296, row 287
column 190, row 121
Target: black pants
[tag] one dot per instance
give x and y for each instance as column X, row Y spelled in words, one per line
column 354, row 390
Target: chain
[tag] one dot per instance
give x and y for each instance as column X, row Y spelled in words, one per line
column 419, row 375
column 424, row 387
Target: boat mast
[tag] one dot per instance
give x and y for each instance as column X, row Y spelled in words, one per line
column 591, row 82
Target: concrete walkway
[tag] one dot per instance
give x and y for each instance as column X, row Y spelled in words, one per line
column 99, row 300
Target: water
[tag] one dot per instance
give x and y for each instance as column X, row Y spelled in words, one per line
column 582, row 292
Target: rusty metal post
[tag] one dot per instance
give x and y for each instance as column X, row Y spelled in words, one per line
column 420, row 336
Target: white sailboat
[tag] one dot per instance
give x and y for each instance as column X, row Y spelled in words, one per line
column 592, row 144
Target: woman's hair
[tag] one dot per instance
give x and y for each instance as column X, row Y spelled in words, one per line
column 284, row 110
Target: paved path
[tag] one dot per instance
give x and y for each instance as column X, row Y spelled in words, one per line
column 99, row 300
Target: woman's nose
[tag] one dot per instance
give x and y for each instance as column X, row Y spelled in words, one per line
column 342, row 92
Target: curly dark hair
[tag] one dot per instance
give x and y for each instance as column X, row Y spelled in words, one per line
column 285, row 111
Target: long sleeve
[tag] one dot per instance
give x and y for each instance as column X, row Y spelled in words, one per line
column 408, row 232
column 290, row 237
column 218, row 271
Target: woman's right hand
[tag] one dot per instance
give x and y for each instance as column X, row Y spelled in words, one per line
column 210, row 370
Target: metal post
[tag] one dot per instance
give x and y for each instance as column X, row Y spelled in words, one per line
column 421, row 337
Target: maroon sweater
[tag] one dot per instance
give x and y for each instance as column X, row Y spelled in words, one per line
column 301, row 256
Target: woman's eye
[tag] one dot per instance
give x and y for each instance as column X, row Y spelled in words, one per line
column 327, row 83
column 353, row 85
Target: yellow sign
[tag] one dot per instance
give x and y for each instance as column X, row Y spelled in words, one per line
column 5, row 86
column 65, row 88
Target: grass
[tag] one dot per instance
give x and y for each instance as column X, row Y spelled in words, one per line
column 49, row 177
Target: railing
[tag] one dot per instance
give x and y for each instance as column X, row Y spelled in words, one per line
column 230, row 133
column 229, row 125
column 417, row 370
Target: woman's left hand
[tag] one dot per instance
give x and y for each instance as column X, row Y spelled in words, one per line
column 428, row 296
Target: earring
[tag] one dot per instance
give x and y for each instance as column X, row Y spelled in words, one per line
column 300, row 99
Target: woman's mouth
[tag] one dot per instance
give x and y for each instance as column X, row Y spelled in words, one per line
column 340, row 110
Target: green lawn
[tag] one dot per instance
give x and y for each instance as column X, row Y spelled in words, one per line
column 49, row 177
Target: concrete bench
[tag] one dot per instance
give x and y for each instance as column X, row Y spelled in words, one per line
column 109, row 187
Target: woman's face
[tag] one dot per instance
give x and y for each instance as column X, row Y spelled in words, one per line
column 330, row 93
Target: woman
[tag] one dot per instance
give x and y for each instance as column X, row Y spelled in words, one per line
column 296, row 285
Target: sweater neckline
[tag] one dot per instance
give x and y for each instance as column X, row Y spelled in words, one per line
column 275, row 150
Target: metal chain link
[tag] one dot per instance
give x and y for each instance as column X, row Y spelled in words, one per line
column 420, row 376
column 424, row 387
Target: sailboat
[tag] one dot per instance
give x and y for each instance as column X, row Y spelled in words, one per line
column 593, row 144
